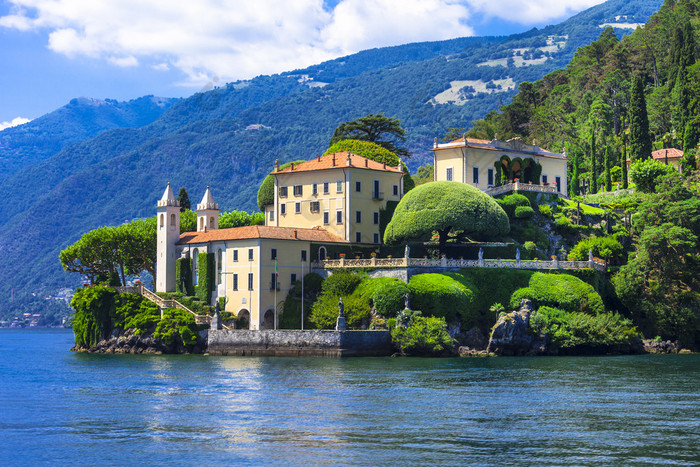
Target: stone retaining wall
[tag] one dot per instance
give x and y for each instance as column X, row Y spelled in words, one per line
column 297, row 343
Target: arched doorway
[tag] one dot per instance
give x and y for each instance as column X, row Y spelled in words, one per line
column 243, row 319
column 269, row 319
column 322, row 253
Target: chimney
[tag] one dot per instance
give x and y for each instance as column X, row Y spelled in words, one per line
column 366, row 162
column 333, row 160
column 348, row 161
column 384, row 164
column 399, row 165
column 277, row 165
column 435, row 142
column 319, row 158
column 292, row 166
column 295, row 233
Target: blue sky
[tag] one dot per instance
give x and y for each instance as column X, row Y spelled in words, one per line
column 55, row 50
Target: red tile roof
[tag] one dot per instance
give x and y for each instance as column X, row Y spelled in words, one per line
column 673, row 153
column 338, row 160
column 316, row 234
column 471, row 140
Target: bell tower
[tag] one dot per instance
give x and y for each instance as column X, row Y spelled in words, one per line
column 207, row 213
column 168, row 225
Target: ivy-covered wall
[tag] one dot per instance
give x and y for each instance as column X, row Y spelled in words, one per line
column 205, row 286
column 183, row 276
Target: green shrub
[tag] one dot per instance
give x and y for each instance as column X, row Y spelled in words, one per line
column 531, row 249
column 524, row 212
column 603, row 247
column 177, row 327
column 341, row 283
column 126, row 306
column 390, row 298
column 205, row 286
column 94, row 310
column 291, row 311
column 440, row 295
column 644, row 174
column 425, row 336
column 546, row 210
column 324, row 312
column 511, row 202
column 561, row 291
column 183, row 276
column 569, row 330
column 135, row 312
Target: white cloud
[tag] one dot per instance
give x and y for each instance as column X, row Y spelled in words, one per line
column 241, row 39
column 15, row 122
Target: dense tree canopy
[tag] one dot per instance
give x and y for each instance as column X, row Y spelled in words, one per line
column 443, row 207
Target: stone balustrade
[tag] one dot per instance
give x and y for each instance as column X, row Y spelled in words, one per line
column 517, row 186
column 449, row 263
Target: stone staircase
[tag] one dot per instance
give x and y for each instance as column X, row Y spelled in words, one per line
column 162, row 302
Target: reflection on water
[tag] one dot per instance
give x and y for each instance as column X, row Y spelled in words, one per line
column 109, row 409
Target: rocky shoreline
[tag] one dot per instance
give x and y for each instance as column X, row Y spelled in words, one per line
column 128, row 342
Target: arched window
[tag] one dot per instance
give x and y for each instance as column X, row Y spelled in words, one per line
column 219, row 267
column 211, row 223
column 172, row 220
column 162, row 220
column 195, row 266
column 201, row 223
column 322, row 253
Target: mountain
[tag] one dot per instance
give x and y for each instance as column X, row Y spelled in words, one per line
column 229, row 137
column 82, row 119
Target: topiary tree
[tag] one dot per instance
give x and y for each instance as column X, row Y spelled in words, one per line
column 440, row 295
column 442, row 207
column 266, row 192
column 561, row 291
column 511, row 202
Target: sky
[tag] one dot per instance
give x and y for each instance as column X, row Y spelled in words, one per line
column 54, row 50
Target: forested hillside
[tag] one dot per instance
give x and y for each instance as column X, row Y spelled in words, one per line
column 80, row 119
column 229, row 137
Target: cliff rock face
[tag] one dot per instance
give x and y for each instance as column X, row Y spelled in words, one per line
column 511, row 334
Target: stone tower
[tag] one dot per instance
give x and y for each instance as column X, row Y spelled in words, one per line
column 168, row 222
column 207, row 213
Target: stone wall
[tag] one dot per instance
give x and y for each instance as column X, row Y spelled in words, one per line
column 296, row 343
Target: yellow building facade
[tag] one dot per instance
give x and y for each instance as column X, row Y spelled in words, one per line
column 485, row 164
column 343, row 193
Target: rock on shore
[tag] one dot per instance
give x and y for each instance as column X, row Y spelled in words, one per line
column 128, row 342
column 511, row 334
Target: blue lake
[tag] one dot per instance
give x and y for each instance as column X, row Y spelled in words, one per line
column 61, row 407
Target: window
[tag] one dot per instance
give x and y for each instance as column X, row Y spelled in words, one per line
column 162, row 220
column 376, row 237
column 326, row 215
column 283, row 192
column 489, row 177
column 314, row 189
column 358, row 186
column 358, row 237
column 172, row 220
column 273, row 281
column 273, row 254
column 283, row 209
column 339, row 186
column 219, row 265
column 475, row 175
column 558, row 182
column 322, row 253
column 293, row 279
column 235, row 282
column 235, row 255
column 326, row 188
column 297, row 208
column 298, row 190
column 376, row 194
column 315, row 206
column 396, row 190
column 375, row 220
column 303, row 256
column 250, row 281
column 358, row 217
column 250, row 254
column 339, row 216
column 448, row 174
column 544, row 179
column 272, row 215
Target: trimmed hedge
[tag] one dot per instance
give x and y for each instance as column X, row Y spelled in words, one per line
column 205, row 286
column 365, row 149
column 511, row 202
column 561, row 291
column 440, row 295
column 524, row 212
column 603, row 247
column 183, row 276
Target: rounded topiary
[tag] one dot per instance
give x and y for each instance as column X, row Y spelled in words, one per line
column 439, row 295
column 511, row 202
column 524, row 212
column 444, row 206
column 560, row 291
column 390, row 298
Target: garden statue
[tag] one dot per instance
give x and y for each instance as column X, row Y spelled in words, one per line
column 481, row 254
column 517, row 254
column 341, row 307
column 590, row 255
column 340, row 322
column 406, row 301
column 406, row 251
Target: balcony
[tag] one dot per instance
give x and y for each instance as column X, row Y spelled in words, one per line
column 378, row 195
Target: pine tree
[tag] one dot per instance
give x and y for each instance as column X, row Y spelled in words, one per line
column 640, row 143
column 184, row 200
column 606, row 162
column 594, row 167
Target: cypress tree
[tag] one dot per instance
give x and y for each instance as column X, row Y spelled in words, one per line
column 640, row 143
column 681, row 101
column 594, row 166
column 606, row 162
column 573, row 186
column 623, row 163
column 184, row 200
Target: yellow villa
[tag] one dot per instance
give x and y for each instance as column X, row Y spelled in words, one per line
column 486, row 164
column 322, row 208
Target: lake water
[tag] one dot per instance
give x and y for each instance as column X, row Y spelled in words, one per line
column 61, row 407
